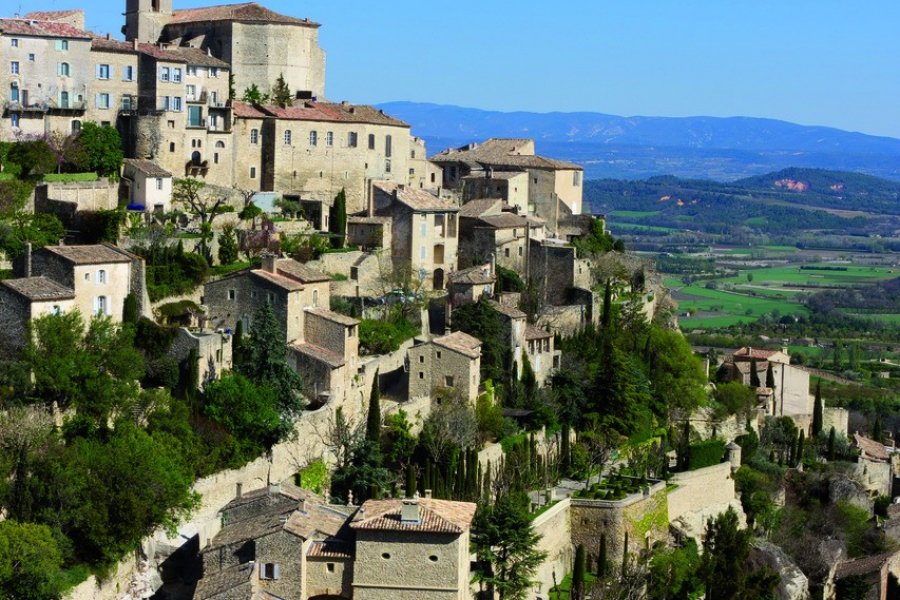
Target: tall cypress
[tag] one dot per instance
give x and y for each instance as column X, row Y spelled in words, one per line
column 801, row 442
column 578, row 574
column 565, row 451
column 754, row 374
column 602, row 559
column 337, row 224
column 237, row 340
column 410, row 480
column 770, row 377
column 606, row 319
column 831, row 436
column 625, row 556
column 877, row 429
column 373, row 418
column 818, row 411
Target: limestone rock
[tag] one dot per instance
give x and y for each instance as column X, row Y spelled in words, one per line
column 794, row 585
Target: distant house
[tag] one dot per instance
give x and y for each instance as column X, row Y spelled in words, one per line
column 449, row 361
column 147, row 186
column 880, row 573
column 790, row 396
column 468, row 285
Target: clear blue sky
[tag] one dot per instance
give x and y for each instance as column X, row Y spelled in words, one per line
column 817, row 62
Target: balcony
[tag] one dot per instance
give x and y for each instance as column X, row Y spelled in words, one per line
column 13, row 106
column 197, row 98
column 128, row 105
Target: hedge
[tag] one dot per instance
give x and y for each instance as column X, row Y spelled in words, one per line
column 69, row 177
column 706, row 454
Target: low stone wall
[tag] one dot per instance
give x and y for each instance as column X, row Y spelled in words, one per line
column 699, row 489
column 83, row 195
column 555, row 529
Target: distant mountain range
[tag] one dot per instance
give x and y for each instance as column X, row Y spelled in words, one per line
column 610, row 146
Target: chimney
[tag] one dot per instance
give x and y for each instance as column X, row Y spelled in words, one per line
column 371, row 202
column 301, row 506
column 136, row 44
column 409, row 512
column 108, row 36
column 274, row 489
column 238, row 490
column 27, row 259
column 268, row 262
column 428, row 493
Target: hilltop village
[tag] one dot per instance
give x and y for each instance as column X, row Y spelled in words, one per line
column 261, row 344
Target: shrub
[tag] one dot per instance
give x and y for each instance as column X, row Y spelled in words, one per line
column 383, row 337
column 706, row 454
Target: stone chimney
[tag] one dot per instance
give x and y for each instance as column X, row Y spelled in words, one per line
column 301, row 506
column 274, row 489
column 268, row 262
column 734, row 456
column 409, row 512
column 238, row 490
column 27, row 259
column 428, row 493
column 136, row 44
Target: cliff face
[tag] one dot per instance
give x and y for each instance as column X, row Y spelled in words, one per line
column 794, row 585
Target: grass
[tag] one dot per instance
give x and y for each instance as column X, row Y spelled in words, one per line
column 69, row 177
column 565, row 587
column 187, row 235
column 221, row 270
column 69, row 578
column 543, row 509
column 891, row 318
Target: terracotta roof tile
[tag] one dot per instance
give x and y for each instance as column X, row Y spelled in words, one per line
column 319, row 354
column 509, row 311
column 249, row 12
column 226, row 580
column 504, row 221
column 315, row 111
column 414, row 198
column 862, row 566
column 182, row 54
column 757, row 353
column 147, row 167
column 477, row 275
column 52, row 15
column 330, row 549
column 461, row 342
column 485, row 206
column 297, row 270
column 368, row 220
column 871, row 448
column 96, row 254
column 435, row 516
column 244, row 110
column 533, row 332
column 35, row 28
column 334, row 317
column 286, row 283
column 39, row 288
column 102, row 44
column 502, row 152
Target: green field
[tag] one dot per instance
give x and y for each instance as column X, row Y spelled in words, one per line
column 892, row 318
column 771, row 289
column 633, row 214
column 636, row 227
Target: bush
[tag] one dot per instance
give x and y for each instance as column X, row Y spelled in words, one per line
column 705, row 454
column 383, row 337
column 508, row 280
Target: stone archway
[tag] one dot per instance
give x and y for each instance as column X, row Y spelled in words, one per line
column 438, row 280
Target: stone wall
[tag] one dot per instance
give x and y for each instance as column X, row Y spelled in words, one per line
column 839, row 418
column 84, row 195
column 699, row 489
column 555, row 529
column 111, row 587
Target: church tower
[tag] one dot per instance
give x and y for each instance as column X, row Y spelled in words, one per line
column 145, row 19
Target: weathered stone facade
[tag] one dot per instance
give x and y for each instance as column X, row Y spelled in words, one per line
column 450, row 361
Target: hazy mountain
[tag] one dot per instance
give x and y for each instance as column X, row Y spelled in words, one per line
column 639, row 147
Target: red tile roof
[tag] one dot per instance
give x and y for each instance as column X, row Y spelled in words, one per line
column 330, row 549
column 461, row 342
column 94, row 254
column 871, row 449
column 182, row 54
column 52, row 15
column 33, row 28
column 319, row 354
column 501, row 152
column 757, row 353
column 311, row 110
column 435, row 516
column 332, row 316
column 39, row 289
column 862, row 566
column 249, row 12
column 297, row 270
column 533, row 332
column 102, row 44
column 415, row 198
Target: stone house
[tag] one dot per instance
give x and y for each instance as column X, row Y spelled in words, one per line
column 505, row 235
column 790, row 397
column 369, row 233
column 213, row 348
column 515, row 326
column 510, row 186
column 880, row 572
column 113, row 94
column 412, row 549
column 424, row 231
column 565, row 286
column 285, row 542
column 147, row 185
column 554, row 187
column 468, row 285
column 328, row 356
column 91, row 279
column 542, row 355
column 44, row 83
column 448, row 361
column 423, row 173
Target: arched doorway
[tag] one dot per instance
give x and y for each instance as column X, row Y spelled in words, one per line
column 438, row 280
column 195, row 158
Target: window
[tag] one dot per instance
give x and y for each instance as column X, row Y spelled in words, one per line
column 14, row 120
column 14, row 43
column 63, row 44
column 252, row 172
column 506, row 252
column 101, row 305
column 433, row 558
column 195, row 116
column 171, row 146
column 14, row 92
column 448, row 381
column 232, row 294
column 164, row 74
column 191, row 91
column 192, row 70
column 576, row 178
column 101, row 276
column 254, row 136
column 287, row 137
column 159, row 183
column 520, row 250
column 371, row 141
column 176, row 75
column 56, row 310
column 215, row 158
column 63, row 69
column 386, row 556
column 270, row 571
column 412, row 154
column 103, row 100
column 387, row 145
column 103, row 71
column 213, row 71
column 422, row 359
column 329, row 138
column 220, row 144
column 76, row 126
column 421, row 374
column 14, row 67
column 438, row 353
column 352, row 139
column 214, row 98
column 87, row 276
column 128, row 73
column 64, row 99
column 423, row 252
column 313, row 138
column 387, row 166
column 316, row 298
column 31, row 58
column 329, row 567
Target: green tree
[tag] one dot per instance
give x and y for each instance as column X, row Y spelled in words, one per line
column 373, row 415
column 33, row 157
column 30, row 561
column 253, row 95
column 606, row 319
column 264, row 361
column 830, row 446
column 281, row 93
column 506, row 547
column 818, row 411
column 673, row 573
column 482, row 321
column 40, row 229
column 100, row 150
column 770, row 377
column 725, row 567
column 578, row 574
column 248, row 411
column 337, row 225
column 877, row 429
column 735, row 397
column 228, row 246
column 602, row 558
column 130, row 314
column 853, row 357
column 190, row 194
column 837, row 358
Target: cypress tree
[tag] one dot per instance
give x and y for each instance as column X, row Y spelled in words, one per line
column 130, row 310
column 770, row 377
column 281, row 93
column 877, row 429
column 818, row 411
column 801, row 442
column 754, row 374
column 565, row 451
column 410, row 480
column 792, row 453
column 831, row 435
column 625, row 556
column 373, row 418
column 838, row 358
column 337, row 224
column 237, row 340
column 606, row 319
column 602, row 559
column 578, row 574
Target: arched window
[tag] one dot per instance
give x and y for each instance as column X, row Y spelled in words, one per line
column 64, row 69
column 76, row 126
column 287, row 137
column 254, row 136
column 329, row 138
column 313, row 138
column 195, row 158
column 316, row 298
column 220, row 144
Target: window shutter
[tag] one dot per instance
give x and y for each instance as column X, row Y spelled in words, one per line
column 59, row 68
column 96, row 303
column 276, row 571
column 58, row 45
column 98, row 71
column 111, row 73
column 97, row 100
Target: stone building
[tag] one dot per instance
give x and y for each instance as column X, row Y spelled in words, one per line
column 448, row 361
column 565, row 286
column 554, row 188
column 328, row 356
column 424, row 231
column 45, row 82
column 213, row 350
column 285, row 542
column 113, row 94
column 542, row 355
column 369, row 233
column 147, row 186
column 91, row 279
column 790, row 397
column 493, row 229
column 468, row 285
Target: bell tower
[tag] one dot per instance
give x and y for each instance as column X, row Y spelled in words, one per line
column 145, row 19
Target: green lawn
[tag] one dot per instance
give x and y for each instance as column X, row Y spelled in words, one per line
column 565, row 586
